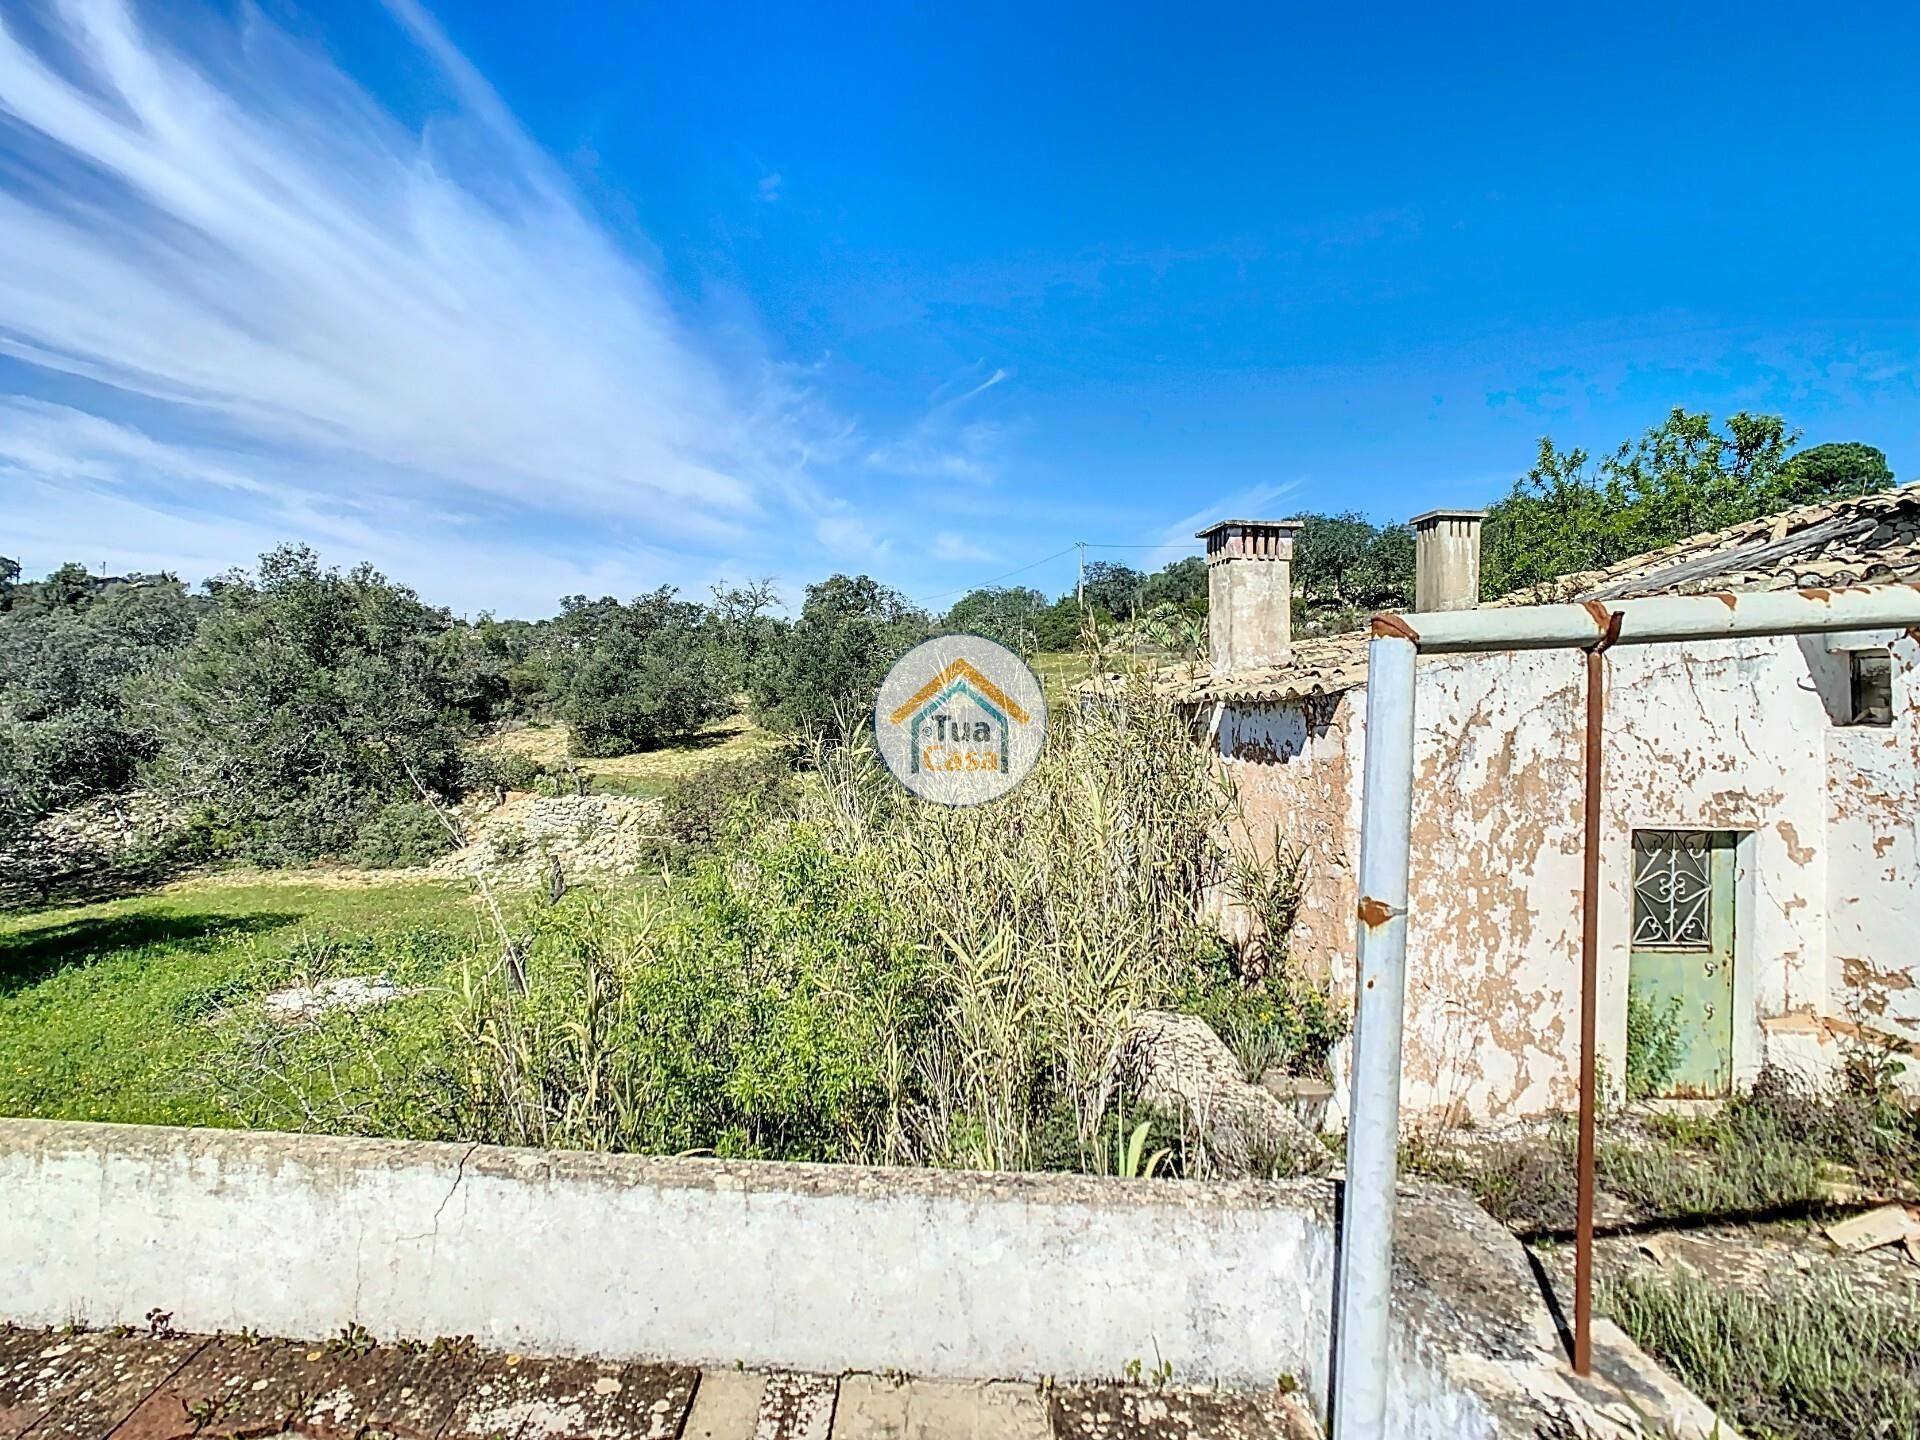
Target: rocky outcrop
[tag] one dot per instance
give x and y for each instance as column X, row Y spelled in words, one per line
column 520, row 842
column 1177, row 1064
column 85, row 844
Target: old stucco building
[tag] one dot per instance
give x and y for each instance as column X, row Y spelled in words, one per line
column 1759, row 847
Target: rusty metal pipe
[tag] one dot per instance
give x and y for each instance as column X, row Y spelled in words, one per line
column 1667, row 617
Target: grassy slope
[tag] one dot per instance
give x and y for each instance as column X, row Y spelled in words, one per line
column 648, row 773
column 102, row 1006
column 1059, row 671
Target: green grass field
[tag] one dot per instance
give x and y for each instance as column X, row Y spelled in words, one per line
column 104, row 1008
column 1059, row 671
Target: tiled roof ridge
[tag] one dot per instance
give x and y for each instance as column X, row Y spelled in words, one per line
column 1331, row 664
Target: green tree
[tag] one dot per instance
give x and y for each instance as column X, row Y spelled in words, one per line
column 1684, row 476
column 65, row 732
column 745, row 632
column 1833, row 472
column 1386, row 571
column 1346, row 561
column 1008, row 614
column 1059, row 626
column 306, row 703
column 1183, row 583
column 518, row 653
column 630, row 676
column 1113, row 589
column 831, row 662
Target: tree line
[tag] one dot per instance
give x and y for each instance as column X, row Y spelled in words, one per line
column 295, row 711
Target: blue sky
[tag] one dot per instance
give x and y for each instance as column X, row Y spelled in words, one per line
column 519, row 301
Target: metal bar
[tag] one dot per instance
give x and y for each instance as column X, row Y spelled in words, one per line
column 1373, row 1123
column 1589, row 1009
column 1360, row 1317
column 1669, row 617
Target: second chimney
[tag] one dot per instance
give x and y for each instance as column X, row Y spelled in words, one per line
column 1446, row 559
column 1249, row 593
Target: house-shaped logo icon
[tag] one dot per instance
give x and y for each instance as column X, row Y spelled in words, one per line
column 958, row 719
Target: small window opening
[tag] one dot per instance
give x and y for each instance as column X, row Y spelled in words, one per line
column 1871, row 677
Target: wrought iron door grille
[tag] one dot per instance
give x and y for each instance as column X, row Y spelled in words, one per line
column 1672, row 889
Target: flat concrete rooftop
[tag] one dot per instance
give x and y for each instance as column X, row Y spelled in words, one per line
column 90, row 1385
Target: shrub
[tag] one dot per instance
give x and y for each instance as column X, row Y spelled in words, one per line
column 1527, row 1184
column 1812, row 1360
column 1653, row 1043
column 707, row 801
column 485, row 768
column 400, row 834
column 764, row 1014
column 1278, row 1020
column 1733, row 1178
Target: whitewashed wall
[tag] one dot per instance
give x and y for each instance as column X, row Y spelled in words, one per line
column 1728, row 735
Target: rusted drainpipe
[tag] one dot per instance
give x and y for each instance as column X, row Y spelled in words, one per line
column 1590, row 990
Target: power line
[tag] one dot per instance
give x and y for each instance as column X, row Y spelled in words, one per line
column 982, row 585
column 1080, row 545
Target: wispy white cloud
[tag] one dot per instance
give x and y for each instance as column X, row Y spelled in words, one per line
column 1256, row 502
column 240, row 246
column 768, row 190
column 953, row 546
column 943, row 445
column 83, row 488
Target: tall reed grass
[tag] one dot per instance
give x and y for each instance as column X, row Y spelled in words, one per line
column 852, row 974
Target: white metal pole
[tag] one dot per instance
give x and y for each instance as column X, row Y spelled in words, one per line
column 1667, row 617
column 1359, row 1401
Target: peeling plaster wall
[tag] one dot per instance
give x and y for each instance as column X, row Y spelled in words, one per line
column 1873, row 866
column 1733, row 735
column 1289, row 767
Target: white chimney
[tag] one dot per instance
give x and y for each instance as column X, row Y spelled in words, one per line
column 1446, row 559
column 1249, row 593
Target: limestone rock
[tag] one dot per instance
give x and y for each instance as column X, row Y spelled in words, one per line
column 1177, row 1064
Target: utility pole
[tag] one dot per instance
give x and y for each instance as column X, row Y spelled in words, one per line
column 1080, row 587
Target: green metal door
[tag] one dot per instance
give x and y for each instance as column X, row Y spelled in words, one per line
column 1682, row 959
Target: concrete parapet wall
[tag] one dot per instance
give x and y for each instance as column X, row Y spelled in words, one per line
column 825, row 1268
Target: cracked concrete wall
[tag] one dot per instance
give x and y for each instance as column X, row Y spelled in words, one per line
column 810, row 1267
column 1735, row 735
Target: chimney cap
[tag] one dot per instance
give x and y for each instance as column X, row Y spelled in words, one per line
column 1247, row 525
column 1447, row 514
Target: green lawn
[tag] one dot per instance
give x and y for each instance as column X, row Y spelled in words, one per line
column 104, row 1007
